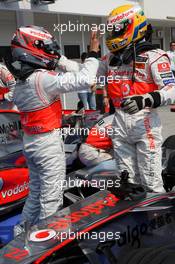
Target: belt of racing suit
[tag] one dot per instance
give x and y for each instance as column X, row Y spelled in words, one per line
column 42, row 120
column 126, row 88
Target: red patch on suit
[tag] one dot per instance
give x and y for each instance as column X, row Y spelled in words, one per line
column 163, row 67
column 140, row 65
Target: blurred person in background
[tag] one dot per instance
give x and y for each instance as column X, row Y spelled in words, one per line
column 87, row 97
column 171, row 55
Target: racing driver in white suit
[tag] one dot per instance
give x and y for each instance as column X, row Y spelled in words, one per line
column 139, row 80
column 35, row 54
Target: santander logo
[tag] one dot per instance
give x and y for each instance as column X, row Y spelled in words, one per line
column 16, row 190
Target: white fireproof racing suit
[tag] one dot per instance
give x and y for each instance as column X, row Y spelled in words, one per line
column 137, row 145
column 38, row 100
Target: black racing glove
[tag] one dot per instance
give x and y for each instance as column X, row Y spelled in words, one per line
column 134, row 104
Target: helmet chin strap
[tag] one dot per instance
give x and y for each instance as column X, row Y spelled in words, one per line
column 52, row 65
column 128, row 54
column 121, row 57
column 134, row 63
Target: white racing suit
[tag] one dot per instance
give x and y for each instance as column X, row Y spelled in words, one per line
column 38, row 100
column 137, row 138
column 7, row 86
column 98, row 145
column 137, row 143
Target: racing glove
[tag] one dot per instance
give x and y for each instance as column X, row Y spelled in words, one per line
column 134, row 104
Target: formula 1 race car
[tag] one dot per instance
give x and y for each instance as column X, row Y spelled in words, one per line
column 13, row 174
column 102, row 218
column 100, row 226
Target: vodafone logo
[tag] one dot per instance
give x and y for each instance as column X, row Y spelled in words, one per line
column 18, row 189
column 36, row 33
column 163, row 67
column 125, row 87
column 39, row 34
column 121, row 17
column 42, row 235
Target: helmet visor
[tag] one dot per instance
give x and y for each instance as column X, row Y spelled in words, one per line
column 117, row 30
column 51, row 46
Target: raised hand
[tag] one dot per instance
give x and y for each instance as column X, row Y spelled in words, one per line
column 94, row 41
